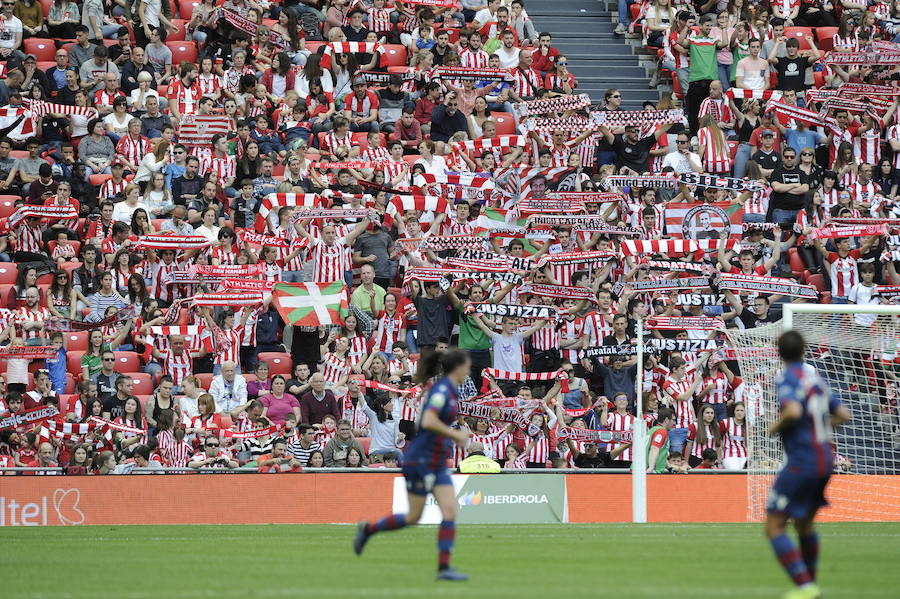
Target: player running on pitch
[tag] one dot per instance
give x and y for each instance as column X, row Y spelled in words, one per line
column 808, row 412
column 425, row 460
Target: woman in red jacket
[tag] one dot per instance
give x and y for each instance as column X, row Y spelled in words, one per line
column 279, row 78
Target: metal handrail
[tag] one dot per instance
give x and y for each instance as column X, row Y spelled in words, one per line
column 169, row 470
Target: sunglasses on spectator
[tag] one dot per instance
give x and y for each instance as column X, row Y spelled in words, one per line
column 683, row 141
column 212, row 445
column 109, row 359
column 806, row 153
column 616, row 96
column 563, row 63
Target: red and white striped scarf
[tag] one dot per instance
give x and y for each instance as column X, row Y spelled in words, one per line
column 354, row 164
column 399, row 205
column 48, row 212
column 430, row 275
column 757, row 284
column 28, row 352
column 736, row 93
column 623, row 118
column 229, row 271
column 462, row 179
column 880, row 59
column 54, row 429
column 832, row 232
column 557, row 104
column 368, row 384
column 550, row 206
column 502, row 143
column 808, row 117
column 227, row 299
column 254, row 238
column 633, row 247
column 183, row 330
column 451, row 242
column 101, row 423
column 595, row 257
column 248, row 285
column 472, row 74
column 558, row 291
column 575, row 126
column 331, row 213
column 278, row 200
column 656, row 181
column 348, row 48
column 680, row 323
column 509, row 375
column 171, row 242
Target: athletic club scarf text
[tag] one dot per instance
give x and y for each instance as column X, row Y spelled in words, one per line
column 247, row 285
column 592, row 436
column 29, row 417
column 486, row 412
column 331, row 213
column 228, row 270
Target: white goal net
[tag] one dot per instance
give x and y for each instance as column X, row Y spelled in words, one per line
column 857, row 354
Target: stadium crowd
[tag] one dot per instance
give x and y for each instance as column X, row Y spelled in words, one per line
column 164, row 165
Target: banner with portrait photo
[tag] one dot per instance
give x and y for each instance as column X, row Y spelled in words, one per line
column 704, row 221
column 517, row 183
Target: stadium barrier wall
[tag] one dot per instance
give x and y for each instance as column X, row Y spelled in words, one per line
column 314, row 498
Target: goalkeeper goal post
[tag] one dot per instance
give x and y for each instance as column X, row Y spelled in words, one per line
column 855, row 349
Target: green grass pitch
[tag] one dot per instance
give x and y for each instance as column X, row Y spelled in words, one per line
column 858, row 561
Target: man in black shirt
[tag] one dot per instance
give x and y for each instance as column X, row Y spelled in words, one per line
column 766, row 156
column 186, row 188
column 592, row 457
column 633, row 151
column 106, row 378
column 792, row 68
column 758, row 314
column 789, row 189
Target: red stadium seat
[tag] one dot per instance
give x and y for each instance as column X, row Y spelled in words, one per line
column 205, row 379
column 67, row 403
column 634, row 10
column 46, row 5
column 506, row 124
column 800, row 34
column 73, row 362
column 817, row 281
column 70, row 267
column 18, row 153
column 411, row 158
column 127, row 361
column 8, row 205
column 43, row 65
column 359, row 139
column 186, row 7
column 825, row 38
column 796, row 262
column 8, row 273
column 279, row 362
column 394, row 55
column 71, row 383
column 143, row 383
column 183, row 52
column 77, row 341
column 43, row 49
column 180, row 34
column 365, row 443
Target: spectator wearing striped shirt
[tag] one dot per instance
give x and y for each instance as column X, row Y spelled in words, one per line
column 305, row 444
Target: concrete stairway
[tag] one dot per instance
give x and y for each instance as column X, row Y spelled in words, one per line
column 599, row 59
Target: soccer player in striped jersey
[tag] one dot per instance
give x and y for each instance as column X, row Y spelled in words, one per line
column 807, row 413
column 424, row 466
